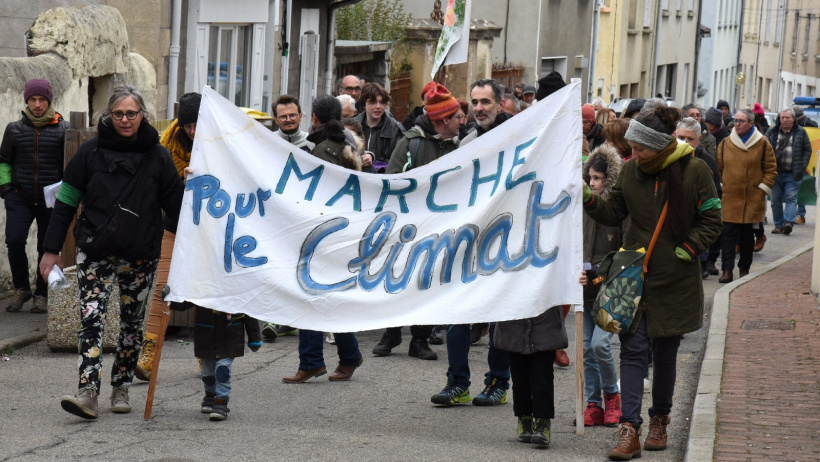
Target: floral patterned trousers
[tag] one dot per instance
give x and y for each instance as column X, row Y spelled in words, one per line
column 96, row 278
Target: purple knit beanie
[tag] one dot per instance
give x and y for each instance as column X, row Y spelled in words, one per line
column 38, row 87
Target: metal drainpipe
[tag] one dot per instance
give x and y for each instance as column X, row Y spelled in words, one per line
column 698, row 41
column 593, row 53
column 173, row 58
column 654, row 71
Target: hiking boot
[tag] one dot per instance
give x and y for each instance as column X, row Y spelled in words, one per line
column 451, row 395
column 119, row 401
column 629, row 443
column 83, row 404
column 656, row 436
column 541, row 432
column 787, row 229
column 612, row 414
column 477, row 331
column 436, row 336
column 207, row 403
column 800, row 220
column 561, row 358
column 283, row 331
column 40, row 305
column 712, row 268
column 727, row 276
column 269, row 331
column 492, row 395
column 387, row 343
column 593, row 415
column 420, row 349
column 524, row 429
column 18, row 299
column 146, row 361
column 220, row 410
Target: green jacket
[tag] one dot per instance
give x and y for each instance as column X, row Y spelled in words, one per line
column 420, row 145
column 673, row 289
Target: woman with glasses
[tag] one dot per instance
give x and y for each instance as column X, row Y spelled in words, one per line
column 124, row 180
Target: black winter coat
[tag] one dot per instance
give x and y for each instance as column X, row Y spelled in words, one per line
column 219, row 335
column 97, row 176
column 35, row 154
column 381, row 140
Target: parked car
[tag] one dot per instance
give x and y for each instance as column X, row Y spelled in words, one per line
column 619, row 104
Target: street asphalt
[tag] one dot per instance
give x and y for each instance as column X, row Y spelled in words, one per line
column 384, row 413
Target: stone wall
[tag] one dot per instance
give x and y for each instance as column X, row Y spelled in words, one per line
column 73, row 46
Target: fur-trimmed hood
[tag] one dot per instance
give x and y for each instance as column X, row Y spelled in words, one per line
column 613, row 169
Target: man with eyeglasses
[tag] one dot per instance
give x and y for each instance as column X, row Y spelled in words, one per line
column 748, row 170
column 288, row 115
column 351, row 85
column 31, row 157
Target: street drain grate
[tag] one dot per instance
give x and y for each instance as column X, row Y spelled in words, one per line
column 767, row 325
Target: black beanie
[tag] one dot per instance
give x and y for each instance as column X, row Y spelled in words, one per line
column 188, row 111
column 723, row 103
column 634, row 106
column 549, row 84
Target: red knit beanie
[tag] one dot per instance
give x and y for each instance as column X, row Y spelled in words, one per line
column 588, row 113
column 38, row 87
column 439, row 103
column 428, row 87
column 758, row 109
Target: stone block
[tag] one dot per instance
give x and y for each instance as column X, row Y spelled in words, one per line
column 92, row 39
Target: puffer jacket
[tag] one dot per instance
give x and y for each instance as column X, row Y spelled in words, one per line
column 672, row 298
column 599, row 239
column 35, row 155
column 97, row 177
column 801, row 148
column 219, row 335
column 544, row 332
column 420, row 146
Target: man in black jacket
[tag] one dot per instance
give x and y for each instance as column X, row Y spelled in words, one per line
column 31, row 157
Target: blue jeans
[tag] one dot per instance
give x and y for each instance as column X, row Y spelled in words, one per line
column 20, row 214
column 458, row 348
column 634, row 348
column 785, row 189
column 801, row 209
column 311, row 346
column 599, row 365
column 216, row 376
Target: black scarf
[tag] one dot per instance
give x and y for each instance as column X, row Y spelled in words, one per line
column 119, row 152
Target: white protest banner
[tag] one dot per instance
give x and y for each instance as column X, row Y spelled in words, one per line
column 489, row 232
column 454, row 41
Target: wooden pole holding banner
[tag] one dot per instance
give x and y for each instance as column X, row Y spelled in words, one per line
column 152, row 383
column 579, row 369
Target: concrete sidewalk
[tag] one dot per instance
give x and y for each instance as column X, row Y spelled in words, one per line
column 22, row 328
column 759, row 389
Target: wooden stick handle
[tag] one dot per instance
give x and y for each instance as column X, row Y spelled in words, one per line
column 579, row 370
column 152, row 384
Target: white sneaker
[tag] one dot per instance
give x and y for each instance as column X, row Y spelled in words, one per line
column 330, row 339
column 647, row 386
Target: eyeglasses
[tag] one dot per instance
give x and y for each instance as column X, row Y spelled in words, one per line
column 130, row 115
column 460, row 117
column 285, row 117
column 353, row 88
column 740, row 121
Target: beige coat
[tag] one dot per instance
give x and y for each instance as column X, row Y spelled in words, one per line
column 747, row 172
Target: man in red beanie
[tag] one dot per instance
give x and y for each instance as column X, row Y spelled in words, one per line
column 593, row 131
column 31, row 157
column 434, row 134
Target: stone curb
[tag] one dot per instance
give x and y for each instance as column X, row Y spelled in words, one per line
column 21, row 340
column 703, row 427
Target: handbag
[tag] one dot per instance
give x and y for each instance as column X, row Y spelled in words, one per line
column 122, row 231
column 622, row 273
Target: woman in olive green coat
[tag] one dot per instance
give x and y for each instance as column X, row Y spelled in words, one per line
column 672, row 301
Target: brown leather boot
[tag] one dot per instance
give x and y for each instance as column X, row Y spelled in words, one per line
column 656, row 437
column 303, row 376
column 344, row 373
column 727, row 276
column 629, row 443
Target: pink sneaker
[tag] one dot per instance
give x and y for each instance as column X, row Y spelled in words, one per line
column 612, row 415
column 593, row 415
